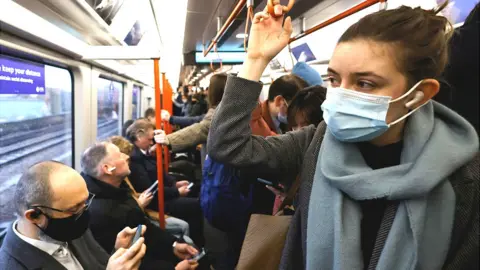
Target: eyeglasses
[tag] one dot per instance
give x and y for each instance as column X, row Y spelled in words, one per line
column 77, row 214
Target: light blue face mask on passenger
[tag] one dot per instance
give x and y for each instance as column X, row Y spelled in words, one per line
column 353, row 116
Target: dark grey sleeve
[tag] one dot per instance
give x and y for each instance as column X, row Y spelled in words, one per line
column 231, row 141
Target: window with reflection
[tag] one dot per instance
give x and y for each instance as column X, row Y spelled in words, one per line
column 109, row 108
column 136, row 93
column 35, row 122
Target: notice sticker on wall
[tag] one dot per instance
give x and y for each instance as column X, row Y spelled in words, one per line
column 21, row 77
column 303, row 53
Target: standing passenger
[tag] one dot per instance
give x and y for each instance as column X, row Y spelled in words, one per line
column 270, row 117
column 392, row 164
column 304, row 110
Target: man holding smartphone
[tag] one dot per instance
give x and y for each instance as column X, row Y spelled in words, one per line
column 51, row 231
column 104, row 169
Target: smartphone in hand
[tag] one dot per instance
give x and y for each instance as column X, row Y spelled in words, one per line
column 199, row 256
column 138, row 234
column 270, row 183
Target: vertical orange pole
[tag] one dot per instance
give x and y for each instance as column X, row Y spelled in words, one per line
column 158, row 119
column 165, row 97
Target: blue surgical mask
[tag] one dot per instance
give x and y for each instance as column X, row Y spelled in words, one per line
column 353, row 116
column 282, row 118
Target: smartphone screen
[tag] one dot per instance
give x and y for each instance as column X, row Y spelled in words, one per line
column 266, row 182
column 269, row 183
column 138, row 234
column 152, row 187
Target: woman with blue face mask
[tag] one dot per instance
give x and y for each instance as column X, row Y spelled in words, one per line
column 390, row 179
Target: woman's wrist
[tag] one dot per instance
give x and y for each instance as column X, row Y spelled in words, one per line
column 252, row 69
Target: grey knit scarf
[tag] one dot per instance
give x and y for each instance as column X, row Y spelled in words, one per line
column 437, row 142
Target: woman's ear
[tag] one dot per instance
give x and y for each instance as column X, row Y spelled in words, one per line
column 424, row 92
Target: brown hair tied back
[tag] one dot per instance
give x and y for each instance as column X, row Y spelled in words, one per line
column 420, row 38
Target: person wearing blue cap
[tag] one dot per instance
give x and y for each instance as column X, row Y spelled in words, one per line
column 307, row 73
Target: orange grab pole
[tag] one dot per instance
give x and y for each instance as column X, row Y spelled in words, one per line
column 161, row 212
column 338, row 17
column 238, row 8
column 166, row 152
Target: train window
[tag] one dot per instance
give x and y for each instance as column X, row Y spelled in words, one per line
column 136, row 102
column 35, row 121
column 109, row 117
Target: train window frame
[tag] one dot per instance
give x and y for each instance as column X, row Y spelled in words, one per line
column 25, row 57
column 121, row 104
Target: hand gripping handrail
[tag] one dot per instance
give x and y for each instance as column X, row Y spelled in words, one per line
column 272, row 3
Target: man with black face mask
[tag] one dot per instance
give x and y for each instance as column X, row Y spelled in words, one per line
column 51, row 231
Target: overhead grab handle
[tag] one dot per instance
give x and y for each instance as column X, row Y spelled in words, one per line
column 274, row 5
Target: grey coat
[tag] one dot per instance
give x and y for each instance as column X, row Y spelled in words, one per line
column 192, row 135
column 231, row 142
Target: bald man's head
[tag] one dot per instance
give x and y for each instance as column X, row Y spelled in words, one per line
column 48, row 183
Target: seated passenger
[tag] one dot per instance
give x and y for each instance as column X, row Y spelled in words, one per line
column 144, row 174
column 51, row 232
column 388, row 161
column 173, row 225
column 196, row 133
column 104, row 169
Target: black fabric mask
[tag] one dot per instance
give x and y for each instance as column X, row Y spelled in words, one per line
column 67, row 229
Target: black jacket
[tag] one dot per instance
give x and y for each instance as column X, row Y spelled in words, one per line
column 144, row 173
column 17, row 254
column 113, row 209
column 460, row 92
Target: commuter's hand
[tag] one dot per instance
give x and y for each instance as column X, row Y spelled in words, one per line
column 184, row 251
column 145, row 198
column 186, row 265
column 183, row 191
column 125, row 237
column 152, row 151
column 268, row 37
column 182, row 183
column 160, row 137
column 128, row 259
column 165, row 115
